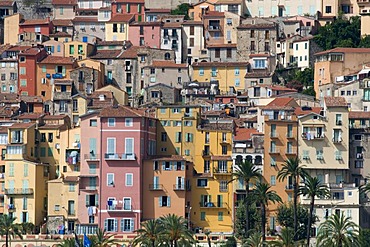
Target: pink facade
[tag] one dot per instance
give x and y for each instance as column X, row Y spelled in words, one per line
column 127, row 138
column 145, row 34
column 135, row 7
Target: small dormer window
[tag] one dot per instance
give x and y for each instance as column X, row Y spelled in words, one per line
column 101, row 97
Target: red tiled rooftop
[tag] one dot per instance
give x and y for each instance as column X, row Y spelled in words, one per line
column 279, row 103
column 18, row 48
column 106, row 54
column 31, row 51
column 30, row 116
column 57, row 60
column 214, row 14
column 216, row 64
column 122, row 18
column 303, row 111
column 131, row 1
column 55, row 117
column 172, row 24
column 35, row 22
column 158, row 11
column 85, row 19
column 63, row 23
column 257, row 26
column 167, row 64
column 359, row 115
column 344, row 50
column 243, row 134
column 64, row 2
column 335, row 101
column 60, row 34
column 130, row 52
column 122, row 111
column 6, row 3
column 31, row 99
column 21, row 125
column 221, row 45
column 282, row 88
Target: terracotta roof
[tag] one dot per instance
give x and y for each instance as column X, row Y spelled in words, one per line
column 359, row 115
column 229, row 2
column 279, row 103
column 31, row 51
column 122, row 18
column 113, row 42
column 62, row 23
column 8, row 97
column 31, row 99
column 122, row 111
column 344, row 50
column 263, row 74
column 51, row 126
column 257, row 26
column 214, row 14
column 213, row 113
column 18, row 48
column 158, row 11
column 244, row 134
column 282, row 88
column 54, row 117
column 57, row 60
column 21, row 125
column 85, row 19
column 335, row 101
column 217, row 64
column 167, row 64
column 146, row 23
column 35, row 22
column 303, row 39
column 63, row 82
column 73, row 179
column 259, row 55
column 219, row 157
column 30, row 116
column 221, row 45
column 106, row 54
column 60, row 34
column 170, row 158
column 303, row 111
column 172, row 24
column 190, row 22
column 6, row 3
column 64, row 2
column 217, row 126
column 3, row 129
column 130, row 52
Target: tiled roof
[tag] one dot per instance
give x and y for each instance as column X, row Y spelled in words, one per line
column 122, row 18
column 131, row 1
column 64, row 2
column 243, row 134
column 31, row 99
column 62, row 23
column 303, row 111
column 221, row 64
column 51, row 126
column 229, row 2
column 3, row 129
column 282, row 88
column 6, row 3
column 35, row 22
column 57, row 60
column 217, row 126
column 158, row 11
column 359, row 115
column 167, row 64
column 263, row 74
column 30, row 116
column 219, row 157
column 113, row 42
column 73, row 179
column 190, row 22
column 106, row 54
column 170, row 158
column 21, row 125
column 257, row 26
column 214, row 14
column 63, row 82
column 279, row 103
column 335, row 101
column 85, row 19
column 344, row 50
column 221, row 45
column 60, row 34
column 31, row 51
column 146, row 23
column 18, row 48
column 172, row 24
column 55, row 117
column 130, row 53
column 122, row 111
column 8, row 97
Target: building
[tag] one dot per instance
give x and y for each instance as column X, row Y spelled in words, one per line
column 171, row 34
column 64, row 10
column 40, row 26
column 117, row 28
column 160, row 93
column 194, row 41
column 77, row 49
column 54, row 47
column 132, row 7
column 11, row 28
column 145, row 34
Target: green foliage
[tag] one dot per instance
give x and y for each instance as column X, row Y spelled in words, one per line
column 309, row 91
column 254, row 240
column 341, row 32
column 231, row 242
column 254, row 220
column 26, row 227
column 182, row 9
column 285, row 218
column 365, row 237
column 102, row 239
column 286, row 239
column 9, row 228
column 365, row 42
column 305, row 76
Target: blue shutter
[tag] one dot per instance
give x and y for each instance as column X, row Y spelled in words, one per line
column 115, row 225
column 106, row 224
column 52, row 49
column 132, row 225
column 122, row 225
column 58, row 48
column 182, row 166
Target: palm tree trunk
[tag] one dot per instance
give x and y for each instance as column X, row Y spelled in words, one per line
column 312, row 204
column 263, row 221
column 7, row 239
column 247, row 209
column 295, row 198
column 209, row 241
column 153, row 243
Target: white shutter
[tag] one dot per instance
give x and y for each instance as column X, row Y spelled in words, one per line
column 182, row 166
column 163, row 166
column 129, row 145
column 122, row 225
column 111, row 145
column 182, row 182
column 106, row 224
column 168, row 201
column 132, row 225
column 160, row 201
column 116, row 225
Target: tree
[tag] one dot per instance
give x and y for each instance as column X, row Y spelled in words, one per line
column 263, row 195
column 239, row 224
column 365, row 237
column 230, row 242
column 182, row 9
column 338, row 231
column 102, row 239
column 309, row 91
column 286, row 239
column 247, row 172
column 151, row 232
column 292, row 169
column 285, row 217
column 312, row 188
column 9, row 228
column 175, row 229
column 68, row 242
column 254, row 240
column 26, row 227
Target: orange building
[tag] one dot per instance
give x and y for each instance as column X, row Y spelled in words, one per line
column 199, row 9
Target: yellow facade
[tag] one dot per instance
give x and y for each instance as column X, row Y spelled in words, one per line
column 79, row 108
column 119, row 95
column 99, row 66
column 116, row 31
column 227, row 74
column 11, row 28
column 77, row 49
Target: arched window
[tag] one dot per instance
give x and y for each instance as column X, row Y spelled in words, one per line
column 167, row 56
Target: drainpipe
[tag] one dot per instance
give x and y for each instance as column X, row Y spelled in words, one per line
column 100, row 173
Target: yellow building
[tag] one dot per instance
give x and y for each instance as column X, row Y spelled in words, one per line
column 228, row 74
column 96, row 65
column 120, row 96
column 11, row 28
column 79, row 107
column 25, row 183
column 117, row 27
column 77, row 49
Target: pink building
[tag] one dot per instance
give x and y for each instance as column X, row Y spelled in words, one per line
column 42, row 26
column 145, row 34
column 128, row 136
column 135, row 7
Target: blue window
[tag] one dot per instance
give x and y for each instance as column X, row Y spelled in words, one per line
column 201, row 71
column 237, row 82
column 214, row 71
column 58, row 48
column 84, row 39
column 260, row 63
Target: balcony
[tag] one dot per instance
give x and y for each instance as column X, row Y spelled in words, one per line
column 116, row 207
column 290, row 136
column 206, row 153
column 72, row 156
column 291, row 151
column 289, row 187
column 212, row 205
column 222, row 171
column 92, row 157
column 155, row 187
column 320, row 157
column 314, row 136
column 15, row 152
column 274, row 135
column 179, row 187
column 89, row 188
column 337, row 140
column 22, row 191
column 359, row 156
column 128, row 157
column 214, row 28
column 11, row 207
column 71, row 212
column 225, row 141
column 62, row 96
column 274, row 151
column 283, row 117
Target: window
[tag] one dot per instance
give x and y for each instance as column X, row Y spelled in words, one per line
column 72, row 187
column 22, row 70
column 111, row 122
column 273, row 180
column 202, row 182
column 129, row 122
column 259, row 63
column 110, row 179
column 127, row 203
column 191, row 42
column 164, row 201
column 327, row 9
column 129, row 179
column 252, row 34
column 217, row 53
column 50, row 137
column 164, row 136
column 253, row 45
column 127, row 225
column 228, row 53
column 111, row 225
column 220, row 216
column 11, row 170
column 93, row 123
column 202, row 216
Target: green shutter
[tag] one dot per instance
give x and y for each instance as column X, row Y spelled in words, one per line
column 50, row 152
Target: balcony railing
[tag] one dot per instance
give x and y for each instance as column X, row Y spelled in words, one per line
column 155, row 187
column 22, row 191
column 291, row 151
column 225, row 141
column 337, row 140
column 217, row 171
column 206, row 153
column 274, row 151
column 92, row 157
column 314, row 136
column 62, row 96
column 115, row 156
column 212, row 205
column 289, row 135
column 179, row 187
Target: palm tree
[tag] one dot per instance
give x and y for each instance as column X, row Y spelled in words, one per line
column 68, row 242
column 286, row 239
column 263, row 195
column 102, row 239
column 312, row 188
column 254, row 240
column 175, row 230
column 292, row 168
column 151, row 232
column 207, row 233
column 9, row 228
column 338, row 231
column 247, row 172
